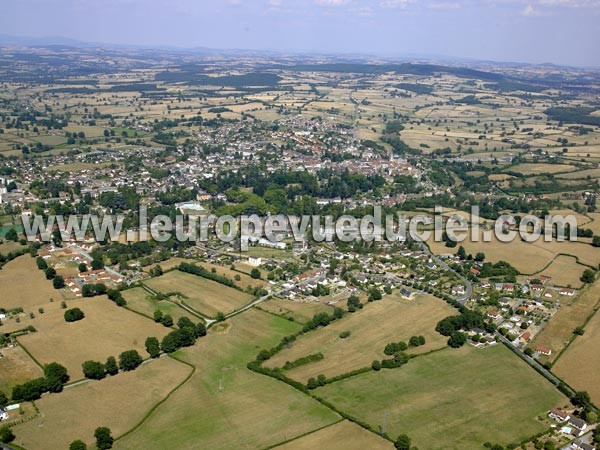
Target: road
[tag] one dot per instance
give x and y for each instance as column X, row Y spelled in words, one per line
column 532, row 362
column 440, row 262
column 264, row 298
column 87, row 256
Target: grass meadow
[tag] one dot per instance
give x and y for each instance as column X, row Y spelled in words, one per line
column 452, row 399
column 224, row 405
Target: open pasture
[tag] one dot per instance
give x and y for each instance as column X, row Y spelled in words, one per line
column 244, row 281
column 301, row 312
column 118, row 402
column 565, row 271
column 224, row 396
column 16, row 367
column 24, row 285
column 107, row 330
column 573, row 313
column 141, row 301
column 205, row 296
column 451, row 399
column 579, row 365
column 392, row 319
column 344, row 435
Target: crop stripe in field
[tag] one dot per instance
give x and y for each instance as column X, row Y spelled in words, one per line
column 304, row 434
column 155, row 407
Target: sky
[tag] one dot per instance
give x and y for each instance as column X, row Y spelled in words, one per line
column 565, row 32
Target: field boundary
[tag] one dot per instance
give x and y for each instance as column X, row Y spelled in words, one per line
column 574, row 336
column 29, row 354
column 308, row 433
column 155, row 407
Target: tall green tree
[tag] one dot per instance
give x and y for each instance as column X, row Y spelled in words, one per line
column 104, row 439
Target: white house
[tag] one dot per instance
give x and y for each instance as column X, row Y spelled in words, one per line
column 559, row 415
column 254, row 261
column 3, row 414
column 579, row 426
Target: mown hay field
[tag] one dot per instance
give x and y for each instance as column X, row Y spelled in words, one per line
column 344, row 435
column 117, row 402
column 541, row 168
column 24, row 285
column 16, row 367
column 206, row 296
column 392, row 319
column 573, row 313
column 565, row 271
column 301, row 312
column 579, row 365
column 107, row 330
column 527, row 258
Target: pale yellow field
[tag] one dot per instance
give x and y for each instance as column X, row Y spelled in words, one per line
column 24, row 285
column 573, row 313
column 564, row 271
column 16, row 367
column 205, row 296
column 117, row 402
column 594, row 173
column 392, row 319
column 344, row 435
column 301, row 312
column 107, row 330
column 245, row 280
column 579, row 366
column 534, row 168
column 169, row 264
column 527, row 258
column 594, row 225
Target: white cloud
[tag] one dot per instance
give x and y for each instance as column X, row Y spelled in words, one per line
column 571, row 3
column 445, row 5
column 365, row 11
column 529, row 11
column 332, row 3
column 394, row 3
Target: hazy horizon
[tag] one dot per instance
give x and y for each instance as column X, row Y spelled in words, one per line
column 564, row 32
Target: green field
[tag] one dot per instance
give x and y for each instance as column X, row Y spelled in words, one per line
column 226, row 406
column 451, row 399
column 139, row 300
